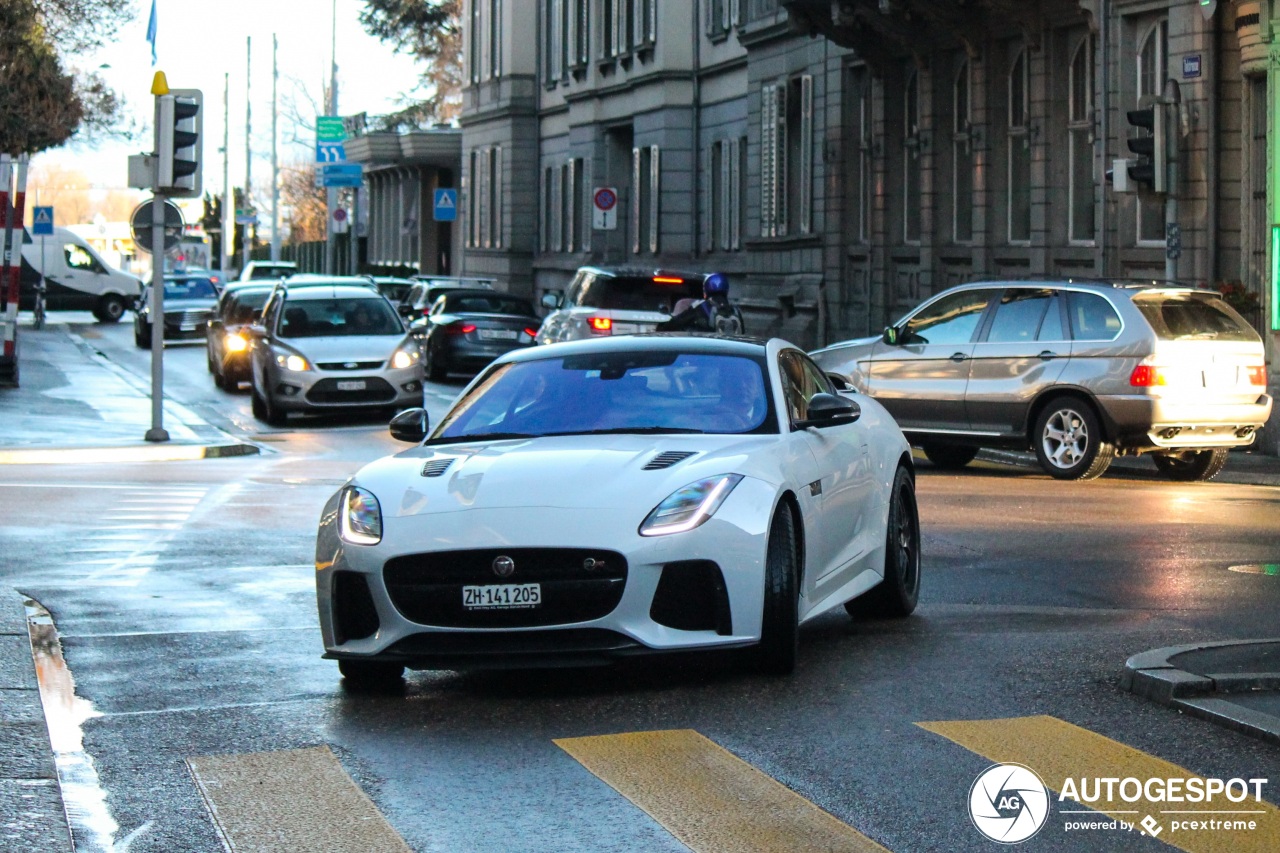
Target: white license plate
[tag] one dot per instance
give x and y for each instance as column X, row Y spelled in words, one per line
column 507, row 596
column 351, row 385
column 625, row 328
column 1220, row 377
column 188, row 327
column 498, row 335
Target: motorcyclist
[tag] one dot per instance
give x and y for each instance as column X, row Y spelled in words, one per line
column 713, row 313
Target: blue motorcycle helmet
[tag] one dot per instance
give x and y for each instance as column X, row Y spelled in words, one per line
column 716, row 287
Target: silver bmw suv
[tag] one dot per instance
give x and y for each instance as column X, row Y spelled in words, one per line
column 1079, row 372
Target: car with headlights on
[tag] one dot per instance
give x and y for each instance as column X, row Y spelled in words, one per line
column 323, row 346
column 227, row 332
column 467, row 329
column 1076, row 371
column 627, row 496
column 189, row 301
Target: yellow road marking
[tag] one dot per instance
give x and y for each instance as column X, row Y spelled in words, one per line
column 295, row 800
column 708, row 798
column 1059, row 751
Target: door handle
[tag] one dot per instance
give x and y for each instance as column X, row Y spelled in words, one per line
column 958, row 357
column 1047, row 355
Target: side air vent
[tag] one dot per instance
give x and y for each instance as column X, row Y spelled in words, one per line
column 436, row 467
column 667, row 459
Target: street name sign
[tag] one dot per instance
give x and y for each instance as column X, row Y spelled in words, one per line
column 342, row 174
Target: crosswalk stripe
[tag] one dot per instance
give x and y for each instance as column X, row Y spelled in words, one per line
column 295, row 800
column 708, row 798
column 1058, row 751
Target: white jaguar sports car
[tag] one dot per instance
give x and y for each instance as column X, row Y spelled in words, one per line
column 633, row 495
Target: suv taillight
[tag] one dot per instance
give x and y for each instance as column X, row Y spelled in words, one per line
column 600, row 325
column 1258, row 375
column 1146, row 376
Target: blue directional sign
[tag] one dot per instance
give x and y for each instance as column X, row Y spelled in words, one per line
column 342, row 174
column 42, row 222
column 446, row 206
column 330, row 152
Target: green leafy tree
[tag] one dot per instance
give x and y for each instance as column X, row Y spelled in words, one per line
column 431, row 32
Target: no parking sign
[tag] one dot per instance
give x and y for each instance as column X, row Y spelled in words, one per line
column 604, row 216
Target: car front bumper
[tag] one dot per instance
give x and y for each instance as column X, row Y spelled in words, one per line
column 316, row 389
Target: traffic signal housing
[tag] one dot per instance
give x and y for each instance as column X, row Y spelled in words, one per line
column 1150, row 145
column 178, row 130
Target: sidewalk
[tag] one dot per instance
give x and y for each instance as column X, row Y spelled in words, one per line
column 75, row 406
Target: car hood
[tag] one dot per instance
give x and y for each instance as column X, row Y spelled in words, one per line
column 573, row 472
column 346, row 347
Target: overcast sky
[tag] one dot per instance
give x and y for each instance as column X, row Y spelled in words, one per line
column 197, row 46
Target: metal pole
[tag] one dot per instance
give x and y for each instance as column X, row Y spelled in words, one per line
column 227, row 245
column 248, row 148
column 331, row 239
column 353, row 238
column 157, row 431
column 275, row 162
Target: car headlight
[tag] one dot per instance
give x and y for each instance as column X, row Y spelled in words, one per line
column 296, row 363
column 361, row 517
column 403, row 358
column 234, row 343
column 689, row 506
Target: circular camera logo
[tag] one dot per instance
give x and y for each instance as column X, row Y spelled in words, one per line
column 1008, row 803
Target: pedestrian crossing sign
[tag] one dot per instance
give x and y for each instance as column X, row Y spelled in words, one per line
column 42, row 222
column 446, row 205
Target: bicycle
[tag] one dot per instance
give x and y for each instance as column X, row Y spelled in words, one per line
column 38, row 310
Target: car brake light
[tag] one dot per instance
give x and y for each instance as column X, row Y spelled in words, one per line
column 600, row 325
column 533, row 333
column 1258, row 375
column 667, row 279
column 1146, row 376
column 455, row 329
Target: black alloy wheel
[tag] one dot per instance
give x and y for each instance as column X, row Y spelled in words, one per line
column 780, row 627
column 949, row 457
column 1192, row 466
column 898, row 594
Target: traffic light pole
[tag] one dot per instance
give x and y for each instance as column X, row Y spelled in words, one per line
column 1171, row 99
column 157, row 431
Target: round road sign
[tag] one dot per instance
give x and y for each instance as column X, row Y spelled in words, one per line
column 340, row 215
column 140, row 226
column 605, row 199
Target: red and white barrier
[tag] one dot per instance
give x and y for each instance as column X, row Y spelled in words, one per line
column 13, row 193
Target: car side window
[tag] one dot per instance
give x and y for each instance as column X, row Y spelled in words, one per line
column 1051, row 328
column 415, row 293
column 1018, row 316
column 1092, row 317
column 438, row 307
column 952, row 319
column 573, row 296
column 801, row 380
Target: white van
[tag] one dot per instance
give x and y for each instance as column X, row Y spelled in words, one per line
column 76, row 277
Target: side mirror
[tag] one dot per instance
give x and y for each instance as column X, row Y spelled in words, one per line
column 890, row 336
column 410, row 425
column 551, row 300
column 826, row 410
column 257, row 330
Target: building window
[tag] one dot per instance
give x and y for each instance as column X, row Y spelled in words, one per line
column 484, row 40
column 494, row 221
column 1153, row 64
column 475, row 57
column 494, row 68
column 962, row 155
column 911, row 165
column 471, row 184
column 578, row 28
column 860, row 171
column 740, row 194
column 553, row 42
column 722, row 16
column 548, row 209
column 1018, row 188
column 786, row 167
column 645, row 171
column 1080, row 131
column 644, row 25
column 725, row 188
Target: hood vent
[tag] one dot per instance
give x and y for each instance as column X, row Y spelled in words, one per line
column 667, row 459
column 436, row 467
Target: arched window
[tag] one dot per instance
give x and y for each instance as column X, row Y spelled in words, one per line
column 1153, row 68
column 1080, row 129
column 911, row 159
column 1018, row 191
column 962, row 156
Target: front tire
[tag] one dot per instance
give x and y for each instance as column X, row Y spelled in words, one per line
column 898, row 594
column 1192, row 466
column 780, row 626
column 1069, row 443
column 142, row 337
column 436, row 369
column 949, row 457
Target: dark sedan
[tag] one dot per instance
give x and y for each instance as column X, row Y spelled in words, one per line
column 189, row 301
column 467, row 329
column 227, row 335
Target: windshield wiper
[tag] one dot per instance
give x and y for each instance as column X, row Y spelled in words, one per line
column 639, row 430
column 479, row 436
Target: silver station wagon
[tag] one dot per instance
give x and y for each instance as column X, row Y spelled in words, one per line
column 1078, row 372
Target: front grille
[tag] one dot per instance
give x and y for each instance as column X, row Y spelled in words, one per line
column 348, row 365
column 667, row 459
column 436, row 467
column 186, row 318
column 376, row 390
column 513, row 643
column 427, row 588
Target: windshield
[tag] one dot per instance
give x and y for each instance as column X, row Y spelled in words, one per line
column 272, row 271
column 244, row 308
column 636, row 293
column 318, row 318
column 189, row 288
column 1193, row 316
column 618, row 392
column 472, row 303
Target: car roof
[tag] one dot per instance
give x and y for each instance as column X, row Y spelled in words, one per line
column 332, row 290
column 1130, row 286
column 631, row 271
column 487, row 294
column 658, row 342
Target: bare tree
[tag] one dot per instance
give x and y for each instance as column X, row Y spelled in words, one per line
column 305, row 203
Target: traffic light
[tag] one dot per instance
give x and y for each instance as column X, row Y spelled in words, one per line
column 178, row 125
column 1150, row 146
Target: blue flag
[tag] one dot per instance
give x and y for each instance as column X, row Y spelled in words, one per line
column 151, row 33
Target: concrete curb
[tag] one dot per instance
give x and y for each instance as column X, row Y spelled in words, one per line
column 1154, row 676
column 163, row 452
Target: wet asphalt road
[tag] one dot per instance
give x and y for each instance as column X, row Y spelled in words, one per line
column 183, row 594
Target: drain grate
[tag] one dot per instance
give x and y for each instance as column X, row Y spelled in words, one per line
column 1272, row 569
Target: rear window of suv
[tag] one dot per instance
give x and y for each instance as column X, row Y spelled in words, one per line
column 1192, row 316
column 636, row 293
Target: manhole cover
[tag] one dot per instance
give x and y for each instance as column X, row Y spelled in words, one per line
column 1258, row 569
